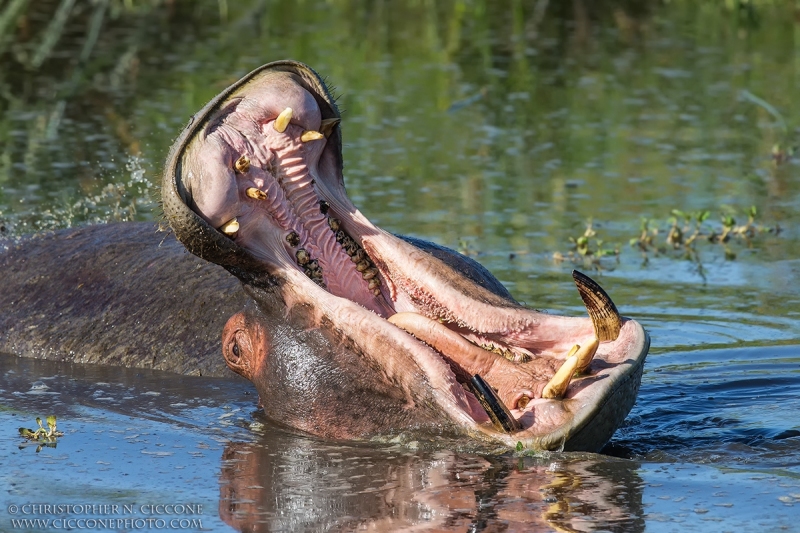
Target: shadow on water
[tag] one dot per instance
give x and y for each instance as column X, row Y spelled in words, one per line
column 494, row 127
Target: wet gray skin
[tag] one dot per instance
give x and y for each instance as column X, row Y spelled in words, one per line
column 114, row 294
column 254, row 183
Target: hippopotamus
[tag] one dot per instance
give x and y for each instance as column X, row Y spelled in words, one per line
column 355, row 333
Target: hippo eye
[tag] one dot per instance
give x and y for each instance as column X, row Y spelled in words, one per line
column 235, row 349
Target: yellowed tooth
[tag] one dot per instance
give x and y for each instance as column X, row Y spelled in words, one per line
column 376, row 291
column 311, row 135
column 230, row 228
column 242, row 165
column 302, row 256
column 573, row 350
column 256, row 194
column 374, row 283
column 327, row 125
column 557, row 386
column 282, row 122
column 362, row 266
column 602, row 311
column 523, row 401
column 369, row 273
column 585, row 353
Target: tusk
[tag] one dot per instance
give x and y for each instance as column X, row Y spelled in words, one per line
column 327, row 125
column 585, row 353
column 501, row 417
column 601, row 309
column 557, row 386
column 282, row 122
column 230, row 228
column 311, row 135
column 256, row 194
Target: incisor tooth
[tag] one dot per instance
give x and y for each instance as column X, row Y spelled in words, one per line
column 256, row 194
column 557, row 386
column 230, row 228
column 585, row 353
column 282, row 122
column 311, row 135
column 573, row 350
column 327, row 125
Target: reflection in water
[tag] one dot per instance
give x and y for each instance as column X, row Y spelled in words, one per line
column 711, row 439
column 311, row 486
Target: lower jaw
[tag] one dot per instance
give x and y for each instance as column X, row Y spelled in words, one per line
column 544, row 423
column 410, row 280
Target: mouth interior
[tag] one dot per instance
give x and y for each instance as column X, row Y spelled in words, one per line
column 272, row 185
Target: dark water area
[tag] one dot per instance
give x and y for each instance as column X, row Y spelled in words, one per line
column 499, row 129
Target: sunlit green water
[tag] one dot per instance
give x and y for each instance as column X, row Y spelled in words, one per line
column 498, row 128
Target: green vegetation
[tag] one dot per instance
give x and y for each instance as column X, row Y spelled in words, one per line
column 684, row 230
column 41, row 436
column 587, row 250
column 677, row 237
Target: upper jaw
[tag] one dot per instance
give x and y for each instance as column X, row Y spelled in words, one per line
column 190, row 228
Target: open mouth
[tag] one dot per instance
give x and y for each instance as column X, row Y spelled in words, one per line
column 260, row 174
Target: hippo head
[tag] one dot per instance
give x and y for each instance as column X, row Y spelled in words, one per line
column 355, row 333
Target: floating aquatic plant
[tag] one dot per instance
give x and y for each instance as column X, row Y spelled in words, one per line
column 685, row 229
column 679, row 235
column 44, row 436
column 587, row 250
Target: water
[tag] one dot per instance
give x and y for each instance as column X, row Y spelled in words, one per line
column 498, row 128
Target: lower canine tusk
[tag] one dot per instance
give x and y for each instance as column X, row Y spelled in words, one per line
column 601, row 309
column 501, row 417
